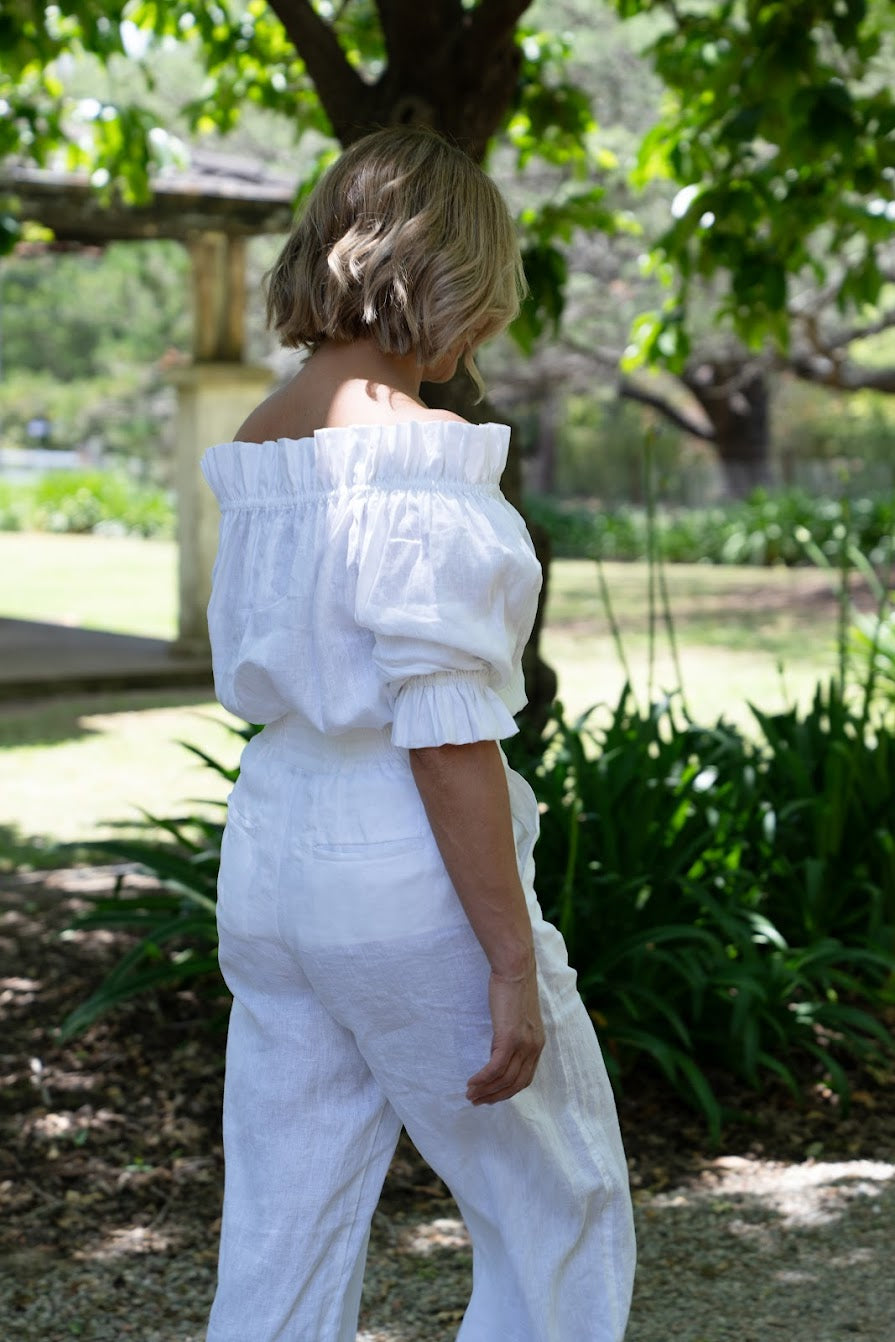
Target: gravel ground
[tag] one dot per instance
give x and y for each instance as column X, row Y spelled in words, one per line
column 110, row 1184
column 753, row 1250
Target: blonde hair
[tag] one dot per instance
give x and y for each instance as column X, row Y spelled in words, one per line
column 405, row 240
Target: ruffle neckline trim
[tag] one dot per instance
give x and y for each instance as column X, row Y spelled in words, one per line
column 447, row 453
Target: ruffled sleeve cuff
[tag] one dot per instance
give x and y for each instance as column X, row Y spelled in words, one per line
column 449, row 708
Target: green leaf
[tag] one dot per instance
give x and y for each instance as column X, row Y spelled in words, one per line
column 10, row 232
column 112, row 994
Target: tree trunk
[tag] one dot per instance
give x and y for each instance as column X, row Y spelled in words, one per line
column 455, row 70
column 736, row 400
column 447, row 67
column 544, row 472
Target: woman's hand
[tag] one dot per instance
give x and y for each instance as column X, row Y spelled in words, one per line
column 517, row 1038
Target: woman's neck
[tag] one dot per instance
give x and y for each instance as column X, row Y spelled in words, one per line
column 365, row 361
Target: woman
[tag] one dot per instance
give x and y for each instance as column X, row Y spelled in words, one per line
column 389, row 964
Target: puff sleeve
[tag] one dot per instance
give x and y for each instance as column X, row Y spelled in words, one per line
column 447, row 583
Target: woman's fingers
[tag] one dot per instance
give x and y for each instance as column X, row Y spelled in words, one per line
column 501, row 1072
column 516, row 1076
column 504, row 1089
column 518, row 1039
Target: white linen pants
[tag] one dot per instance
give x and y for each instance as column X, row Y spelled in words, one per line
column 361, row 1004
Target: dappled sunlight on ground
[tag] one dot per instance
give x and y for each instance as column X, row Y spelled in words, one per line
column 126, row 1240
column 752, row 1199
column 426, row 1237
column 752, row 1249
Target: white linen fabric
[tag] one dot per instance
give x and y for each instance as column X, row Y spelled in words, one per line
column 369, row 577
column 372, row 592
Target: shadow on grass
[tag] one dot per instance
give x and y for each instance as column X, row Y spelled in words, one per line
column 37, row 852
column 47, row 722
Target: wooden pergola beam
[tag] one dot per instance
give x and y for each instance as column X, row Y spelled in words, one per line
column 181, row 207
column 212, row 212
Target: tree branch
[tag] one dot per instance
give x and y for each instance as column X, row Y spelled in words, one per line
column 410, row 27
column 700, row 375
column 840, row 374
column 602, row 354
column 810, row 302
column 492, row 22
column 826, row 362
column 633, row 391
column 841, row 338
column 342, row 92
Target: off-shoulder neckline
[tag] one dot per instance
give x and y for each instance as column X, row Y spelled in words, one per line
column 366, row 428
column 443, row 453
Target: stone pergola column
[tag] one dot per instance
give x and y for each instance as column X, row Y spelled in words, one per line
column 215, row 394
column 213, row 400
column 213, row 209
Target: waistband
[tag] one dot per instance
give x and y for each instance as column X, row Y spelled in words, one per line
column 326, row 752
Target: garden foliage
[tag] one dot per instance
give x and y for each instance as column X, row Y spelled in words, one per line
column 100, row 502
column 729, row 904
column 175, row 926
column 788, row 527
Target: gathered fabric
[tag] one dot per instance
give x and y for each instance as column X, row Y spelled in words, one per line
column 373, row 577
column 373, row 592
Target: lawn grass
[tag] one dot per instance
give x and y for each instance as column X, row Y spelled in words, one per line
column 77, row 768
column 71, row 767
column 120, row 583
column 743, row 634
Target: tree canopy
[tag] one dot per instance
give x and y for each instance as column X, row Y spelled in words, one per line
column 469, row 70
column 778, row 126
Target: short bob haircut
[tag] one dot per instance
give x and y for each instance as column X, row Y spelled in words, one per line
column 404, row 240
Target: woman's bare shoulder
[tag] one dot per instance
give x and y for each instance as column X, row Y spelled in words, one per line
column 296, row 411
column 425, row 414
column 268, row 421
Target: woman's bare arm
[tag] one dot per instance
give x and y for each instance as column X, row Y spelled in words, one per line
column 464, row 791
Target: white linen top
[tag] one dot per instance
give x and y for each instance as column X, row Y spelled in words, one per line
column 372, row 576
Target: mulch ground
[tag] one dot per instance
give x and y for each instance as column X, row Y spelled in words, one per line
column 110, row 1151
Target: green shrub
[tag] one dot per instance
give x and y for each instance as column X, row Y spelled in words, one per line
column 13, row 508
column 828, row 793
column 177, row 934
column 729, row 905
column 85, row 502
column 765, row 529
